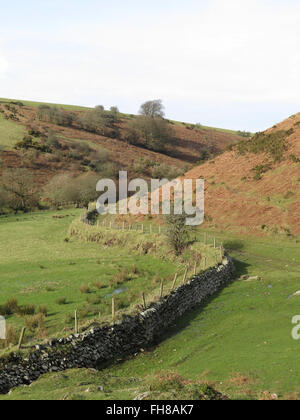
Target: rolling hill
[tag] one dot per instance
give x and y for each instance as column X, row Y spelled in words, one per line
column 255, row 187
column 188, row 142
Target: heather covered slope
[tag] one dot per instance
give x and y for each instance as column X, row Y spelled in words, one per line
column 255, row 187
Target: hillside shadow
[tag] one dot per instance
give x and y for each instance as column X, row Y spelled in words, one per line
column 234, row 245
column 187, row 319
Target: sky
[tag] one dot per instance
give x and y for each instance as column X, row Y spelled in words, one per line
column 231, row 64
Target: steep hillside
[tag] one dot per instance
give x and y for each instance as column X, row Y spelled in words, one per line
column 189, row 143
column 255, row 187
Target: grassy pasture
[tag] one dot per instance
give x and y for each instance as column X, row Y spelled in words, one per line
column 240, row 340
column 10, row 133
column 36, row 104
column 42, row 265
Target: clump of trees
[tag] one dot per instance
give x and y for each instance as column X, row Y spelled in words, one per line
column 55, row 115
column 150, row 129
column 64, row 188
column 99, row 121
column 94, row 120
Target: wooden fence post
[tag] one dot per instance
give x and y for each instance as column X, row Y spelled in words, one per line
column 161, row 289
column 185, row 275
column 21, row 338
column 76, row 322
column 113, row 309
column 174, row 282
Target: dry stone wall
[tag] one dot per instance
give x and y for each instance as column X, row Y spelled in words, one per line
column 100, row 346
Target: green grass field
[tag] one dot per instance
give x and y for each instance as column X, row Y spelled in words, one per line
column 41, row 264
column 240, row 340
column 36, row 104
column 10, row 133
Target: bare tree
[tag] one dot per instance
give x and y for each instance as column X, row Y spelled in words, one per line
column 20, row 190
column 153, row 109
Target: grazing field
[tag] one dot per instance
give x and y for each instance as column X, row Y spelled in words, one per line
column 240, row 340
column 42, row 266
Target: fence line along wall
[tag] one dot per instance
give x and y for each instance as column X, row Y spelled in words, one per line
column 100, row 346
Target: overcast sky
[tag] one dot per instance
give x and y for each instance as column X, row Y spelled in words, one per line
column 225, row 63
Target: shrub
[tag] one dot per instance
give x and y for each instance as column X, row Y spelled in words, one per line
column 9, row 308
column 99, row 285
column 294, row 159
column 62, row 301
column 260, row 170
column 87, row 310
column 123, row 302
column 84, row 289
column 160, row 171
column 11, row 337
column 42, row 310
column 288, row 195
column 29, row 143
column 34, row 322
column 94, row 300
column 69, row 318
column 120, row 278
column 134, row 269
column 177, row 232
column 26, row 310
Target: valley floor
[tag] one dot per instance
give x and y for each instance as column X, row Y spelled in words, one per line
column 240, row 341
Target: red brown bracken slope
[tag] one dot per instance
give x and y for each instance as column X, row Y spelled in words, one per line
column 255, row 188
column 185, row 149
